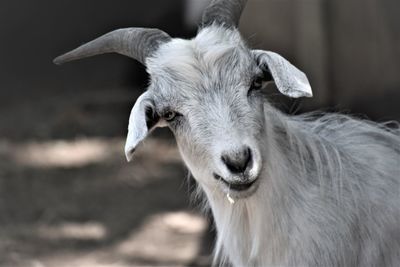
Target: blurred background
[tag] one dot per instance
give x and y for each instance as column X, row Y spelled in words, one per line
column 67, row 195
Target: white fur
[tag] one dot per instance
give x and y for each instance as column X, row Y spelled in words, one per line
column 328, row 185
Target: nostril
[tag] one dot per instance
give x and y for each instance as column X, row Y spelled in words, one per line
column 237, row 162
column 247, row 154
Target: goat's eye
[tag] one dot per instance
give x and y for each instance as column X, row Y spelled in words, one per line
column 257, row 83
column 169, row 115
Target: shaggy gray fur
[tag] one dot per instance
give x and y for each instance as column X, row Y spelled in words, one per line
column 330, row 196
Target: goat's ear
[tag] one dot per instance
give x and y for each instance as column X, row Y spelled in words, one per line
column 289, row 80
column 142, row 120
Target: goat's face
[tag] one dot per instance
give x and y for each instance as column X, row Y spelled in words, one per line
column 207, row 91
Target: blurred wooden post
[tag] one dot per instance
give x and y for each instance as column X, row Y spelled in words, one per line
column 311, row 46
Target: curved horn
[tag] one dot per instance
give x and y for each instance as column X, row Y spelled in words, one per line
column 137, row 43
column 223, row 12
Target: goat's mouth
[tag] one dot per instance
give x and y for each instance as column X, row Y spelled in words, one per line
column 238, row 187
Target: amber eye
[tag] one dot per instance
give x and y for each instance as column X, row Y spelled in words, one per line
column 169, row 115
column 257, row 83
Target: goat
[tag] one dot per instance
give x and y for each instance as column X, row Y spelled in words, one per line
column 307, row 190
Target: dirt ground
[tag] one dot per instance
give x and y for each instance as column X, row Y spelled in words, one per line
column 69, row 198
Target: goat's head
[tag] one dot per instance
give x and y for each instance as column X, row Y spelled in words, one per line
column 207, row 91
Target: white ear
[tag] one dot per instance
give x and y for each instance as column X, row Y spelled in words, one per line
column 289, row 80
column 141, row 121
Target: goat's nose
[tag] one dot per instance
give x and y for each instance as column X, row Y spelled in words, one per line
column 237, row 161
